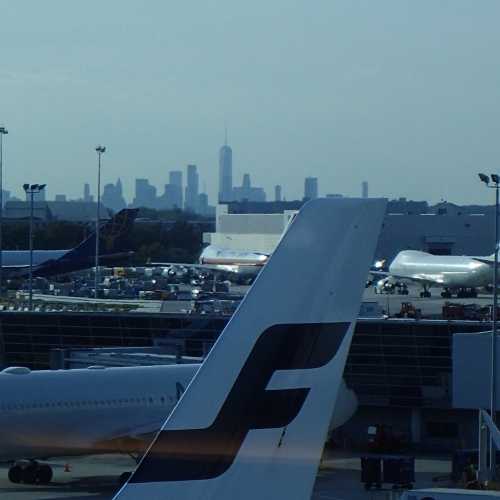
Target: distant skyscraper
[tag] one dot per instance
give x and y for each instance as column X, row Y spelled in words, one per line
column 247, row 192
column 203, row 204
column 86, row 192
column 175, row 177
column 192, row 189
column 364, row 189
column 170, row 198
column 277, row 192
column 145, row 194
column 310, row 188
column 112, row 196
column 225, row 173
column 246, row 184
column 174, row 191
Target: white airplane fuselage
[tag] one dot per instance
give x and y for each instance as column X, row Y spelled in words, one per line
column 97, row 410
column 448, row 271
column 72, row 412
column 237, row 262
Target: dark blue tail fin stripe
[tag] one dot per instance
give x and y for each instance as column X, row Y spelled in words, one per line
column 197, row 454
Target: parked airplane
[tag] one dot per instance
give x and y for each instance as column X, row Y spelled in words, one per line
column 253, row 421
column 52, row 262
column 460, row 275
column 61, row 413
column 238, row 265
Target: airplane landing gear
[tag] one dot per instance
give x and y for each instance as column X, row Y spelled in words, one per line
column 425, row 294
column 30, row 472
column 446, row 294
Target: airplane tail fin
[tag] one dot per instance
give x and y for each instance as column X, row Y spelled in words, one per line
column 112, row 247
column 253, row 421
column 111, row 235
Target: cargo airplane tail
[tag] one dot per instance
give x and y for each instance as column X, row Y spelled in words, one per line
column 253, row 420
column 51, row 262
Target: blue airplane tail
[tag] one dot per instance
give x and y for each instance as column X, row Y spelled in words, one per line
column 112, row 247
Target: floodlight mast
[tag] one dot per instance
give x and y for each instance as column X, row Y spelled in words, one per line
column 495, row 179
column 30, row 191
column 100, row 150
column 3, row 131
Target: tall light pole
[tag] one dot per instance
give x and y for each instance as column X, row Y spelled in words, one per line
column 100, row 150
column 3, row 131
column 31, row 190
column 495, row 185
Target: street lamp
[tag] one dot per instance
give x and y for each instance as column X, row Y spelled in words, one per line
column 495, row 179
column 3, row 131
column 100, row 150
column 31, row 190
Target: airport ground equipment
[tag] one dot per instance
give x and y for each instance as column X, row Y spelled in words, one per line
column 472, row 312
column 408, row 310
column 384, row 439
column 395, row 470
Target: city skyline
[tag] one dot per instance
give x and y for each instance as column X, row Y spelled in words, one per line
column 386, row 92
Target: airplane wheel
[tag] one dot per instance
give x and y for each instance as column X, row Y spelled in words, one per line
column 16, row 474
column 124, row 478
column 44, row 474
column 30, row 474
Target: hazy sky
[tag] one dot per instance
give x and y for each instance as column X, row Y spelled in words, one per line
column 404, row 94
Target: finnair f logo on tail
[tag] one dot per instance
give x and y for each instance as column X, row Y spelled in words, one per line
column 195, row 454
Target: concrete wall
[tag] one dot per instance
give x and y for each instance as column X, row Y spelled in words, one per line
column 256, row 232
column 265, row 243
column 251, row 223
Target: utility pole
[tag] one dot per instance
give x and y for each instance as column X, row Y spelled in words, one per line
column 100, row 150
column 495, row 179
column 30, row 191
column 3, row 131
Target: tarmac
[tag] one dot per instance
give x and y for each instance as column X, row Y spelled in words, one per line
column 430, row 307
column 95, row 477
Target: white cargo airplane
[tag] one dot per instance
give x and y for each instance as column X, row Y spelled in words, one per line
column 239, row 265
column 253, row 421
column 243, row 263
column 461, row 275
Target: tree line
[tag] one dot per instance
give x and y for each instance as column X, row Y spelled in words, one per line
column 171, row 236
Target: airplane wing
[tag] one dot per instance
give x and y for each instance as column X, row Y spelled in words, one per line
column 485, row 260
column 130, row 440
